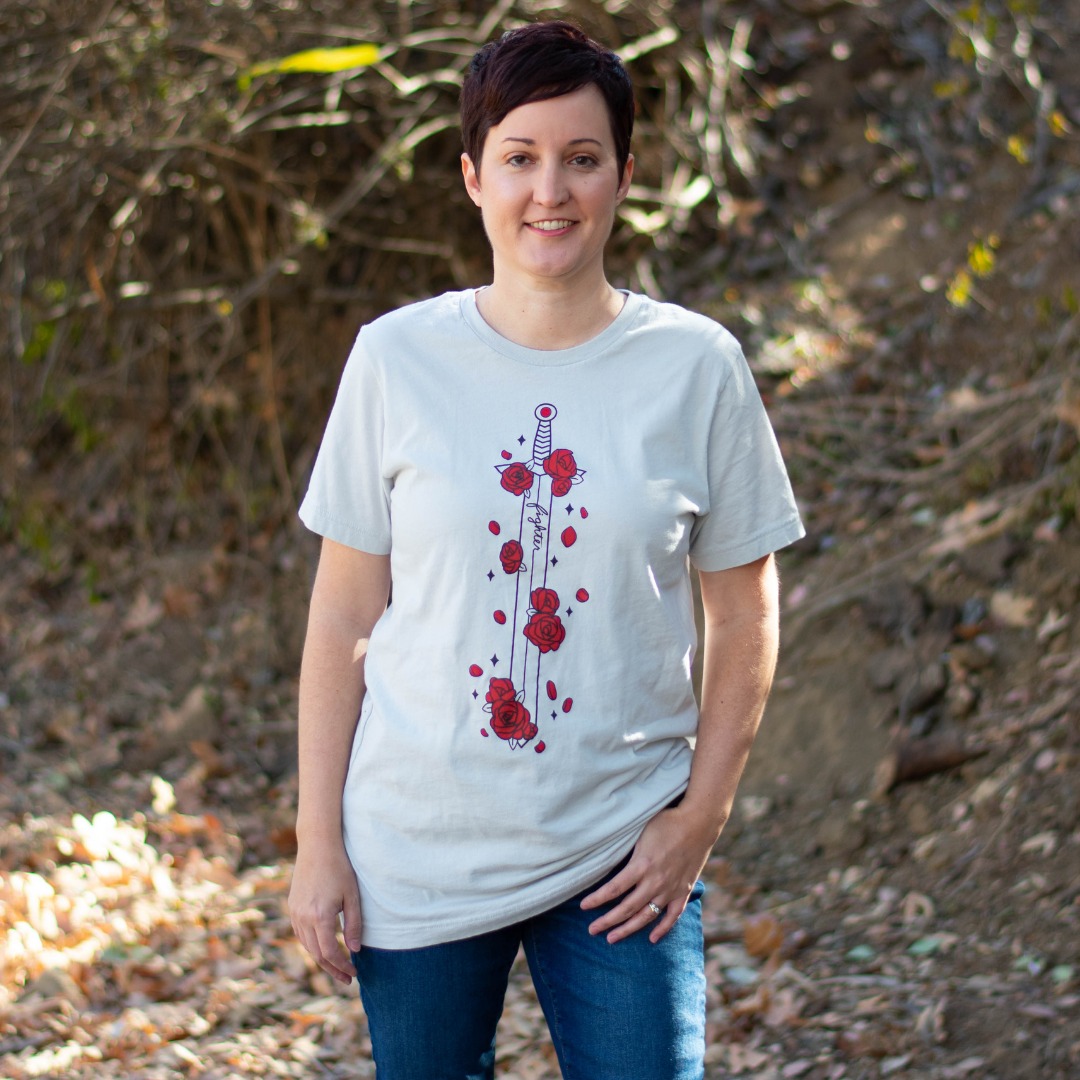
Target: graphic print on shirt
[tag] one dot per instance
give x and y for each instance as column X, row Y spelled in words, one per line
column 533, row 628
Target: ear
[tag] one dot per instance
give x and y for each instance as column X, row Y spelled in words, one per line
column 472, row 178
column 624, row 183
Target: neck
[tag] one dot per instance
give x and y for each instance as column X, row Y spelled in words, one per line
column 540, row 316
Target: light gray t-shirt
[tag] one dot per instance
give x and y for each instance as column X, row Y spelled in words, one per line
column 529, row 705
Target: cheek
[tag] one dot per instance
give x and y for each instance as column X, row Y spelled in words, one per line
column 502, row 210
column 602, row 195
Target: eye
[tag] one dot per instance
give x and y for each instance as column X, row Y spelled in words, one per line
column 584, row 161
column 517, row 160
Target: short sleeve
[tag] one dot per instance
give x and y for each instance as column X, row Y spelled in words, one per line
column 752, row 509
column 348, row 498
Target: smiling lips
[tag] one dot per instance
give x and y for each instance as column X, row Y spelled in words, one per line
column 550, row 226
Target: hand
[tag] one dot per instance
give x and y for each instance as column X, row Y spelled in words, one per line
column 662, row 870
column 324, row 887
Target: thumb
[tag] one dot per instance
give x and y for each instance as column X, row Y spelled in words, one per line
column 350, row 908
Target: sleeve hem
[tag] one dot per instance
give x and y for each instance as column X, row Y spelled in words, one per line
column 779, row 536
column 344, row 533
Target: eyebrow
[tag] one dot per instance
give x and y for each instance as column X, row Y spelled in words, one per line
column 532, row 142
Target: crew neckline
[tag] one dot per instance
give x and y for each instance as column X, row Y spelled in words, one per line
column 549, row 357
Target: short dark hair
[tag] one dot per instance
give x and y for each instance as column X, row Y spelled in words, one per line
column 539, row 61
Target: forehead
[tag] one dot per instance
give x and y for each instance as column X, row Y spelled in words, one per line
column 582, row 114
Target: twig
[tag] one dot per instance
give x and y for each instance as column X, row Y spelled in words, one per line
column 148, row 179
column 914, row 759
column 266, row 371
column 62, row 77
column 1043, row 714
column 954, row 459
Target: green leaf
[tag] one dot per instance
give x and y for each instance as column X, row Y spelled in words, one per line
column 1029, row 962
column 322, row 61
column 41, row 338
column 648, row 223
column 926, row 946
column 859, row 954
column 693, row 193
column 959, row 291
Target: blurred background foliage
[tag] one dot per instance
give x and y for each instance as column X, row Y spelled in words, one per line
column 193, row 230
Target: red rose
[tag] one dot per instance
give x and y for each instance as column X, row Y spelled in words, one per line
column 516, row 478
column 510, row 556
column 560, row 465
column 546, row 600
column 510, row 720
column 500, row 690
column 560, row 487
column 545, row 631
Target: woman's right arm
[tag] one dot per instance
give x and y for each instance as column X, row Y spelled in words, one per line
column 350, row 593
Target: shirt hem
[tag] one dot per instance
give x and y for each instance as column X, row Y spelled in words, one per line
column 419, row 936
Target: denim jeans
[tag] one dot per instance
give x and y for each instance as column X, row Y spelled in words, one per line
column 628, row 1011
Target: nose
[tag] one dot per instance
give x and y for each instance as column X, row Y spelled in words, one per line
column 550, row 187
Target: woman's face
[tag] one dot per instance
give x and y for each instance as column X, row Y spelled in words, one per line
column 548, row 184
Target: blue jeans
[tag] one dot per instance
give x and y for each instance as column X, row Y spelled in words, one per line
column 628, row 1011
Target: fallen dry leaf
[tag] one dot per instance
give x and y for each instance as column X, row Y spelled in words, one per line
column 179, row 602
column 762, row 935
column 143, row 613
column 1012, row 610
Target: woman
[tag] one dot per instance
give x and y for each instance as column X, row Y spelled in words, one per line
column 502, row 756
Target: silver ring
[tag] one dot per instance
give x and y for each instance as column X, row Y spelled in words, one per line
column 655, row 908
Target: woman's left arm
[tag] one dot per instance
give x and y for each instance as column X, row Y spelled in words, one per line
column 741, row 639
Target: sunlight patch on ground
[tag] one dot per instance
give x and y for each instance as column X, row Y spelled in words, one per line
column 141, row 945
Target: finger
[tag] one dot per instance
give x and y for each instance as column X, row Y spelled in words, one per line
column 631, row 926
column 611, row 890
column 338, row 966
column 338, row 969
column 311, row 944
column 671, row 917
column 329, row 954
column 351, row 912
column 631, row 906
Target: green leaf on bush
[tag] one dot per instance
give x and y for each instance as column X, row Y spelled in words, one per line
column 859, row 954
column 322, row 61
column 926, row 946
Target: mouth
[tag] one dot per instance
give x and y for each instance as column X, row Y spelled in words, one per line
column 551, row 226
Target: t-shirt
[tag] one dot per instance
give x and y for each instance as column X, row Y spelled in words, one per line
column 529, row 703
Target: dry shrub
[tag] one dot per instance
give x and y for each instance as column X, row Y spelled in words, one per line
column 185, row 261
